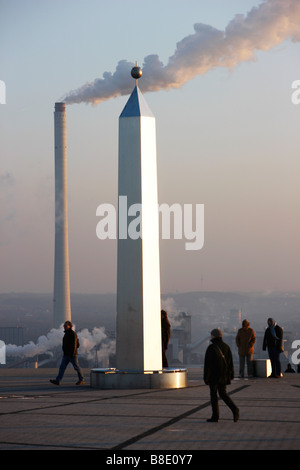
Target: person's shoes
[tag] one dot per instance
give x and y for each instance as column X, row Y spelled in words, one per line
column 55, row 382
column 80, row 382
column 212, row 420
column 236, row 415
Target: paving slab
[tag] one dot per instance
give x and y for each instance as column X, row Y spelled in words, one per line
column 36, row 415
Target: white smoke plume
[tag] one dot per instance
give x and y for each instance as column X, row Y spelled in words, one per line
column 43, row 345
column 169, row 305
column 264, row 27
column 95, row 340
column 89, row 341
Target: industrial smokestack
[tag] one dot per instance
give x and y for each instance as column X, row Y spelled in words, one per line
column 61, row 296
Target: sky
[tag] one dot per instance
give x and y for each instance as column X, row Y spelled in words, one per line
column 227, row 136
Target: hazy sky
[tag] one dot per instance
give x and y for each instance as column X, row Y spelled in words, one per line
column 227, row 137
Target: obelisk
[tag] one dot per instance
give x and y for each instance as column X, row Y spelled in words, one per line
column 138, row 336
column 138, row 344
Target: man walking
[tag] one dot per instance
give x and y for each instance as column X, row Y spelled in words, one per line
column 218, row 372
column 70, row 346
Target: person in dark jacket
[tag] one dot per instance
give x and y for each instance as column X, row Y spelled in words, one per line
column 165, row 336
column 218, row 372
column 70, row 346
column 273, row 342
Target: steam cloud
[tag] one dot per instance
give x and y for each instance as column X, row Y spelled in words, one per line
column 264, row 27
column 89, row 341
column 169, row 305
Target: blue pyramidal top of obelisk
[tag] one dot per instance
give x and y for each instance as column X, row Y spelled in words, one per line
column 136, row 105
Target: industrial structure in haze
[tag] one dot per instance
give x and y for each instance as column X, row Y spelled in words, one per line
column 61, row 294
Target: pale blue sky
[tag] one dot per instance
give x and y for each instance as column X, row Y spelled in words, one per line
column 228, row 140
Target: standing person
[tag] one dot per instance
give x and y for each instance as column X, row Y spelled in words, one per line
column 218, row 372
column 70, row 346
column 273, row 342
column 165, row 336
column 245, row 340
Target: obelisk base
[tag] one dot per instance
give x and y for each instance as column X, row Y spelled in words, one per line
column 126, row 379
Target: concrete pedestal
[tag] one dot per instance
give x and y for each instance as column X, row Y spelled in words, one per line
column 262, row 368
column 126, row 379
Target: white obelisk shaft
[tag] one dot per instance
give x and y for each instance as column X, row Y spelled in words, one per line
column 138, row 274
column 61, row 297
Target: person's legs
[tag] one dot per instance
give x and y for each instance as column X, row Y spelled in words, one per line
column 274, row 361
column 74, row 362
column 164, row 358
column 250, row 365
column 270, row 351
column 63, row 365
column 277, row 364
column 225, row 397
column 214, row 402
column 242, row 366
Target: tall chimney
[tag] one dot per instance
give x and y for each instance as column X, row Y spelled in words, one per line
column 61, row 295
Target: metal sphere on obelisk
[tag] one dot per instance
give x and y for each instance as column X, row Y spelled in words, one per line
column 136, row 72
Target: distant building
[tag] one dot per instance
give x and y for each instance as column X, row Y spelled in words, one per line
column 180, row 338
column 12, row 335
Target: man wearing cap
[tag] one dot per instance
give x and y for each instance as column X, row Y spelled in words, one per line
column 218, row 372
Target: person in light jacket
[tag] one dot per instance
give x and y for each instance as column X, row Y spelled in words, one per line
column 245, row 340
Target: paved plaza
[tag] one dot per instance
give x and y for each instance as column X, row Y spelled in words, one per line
column 36, row 415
